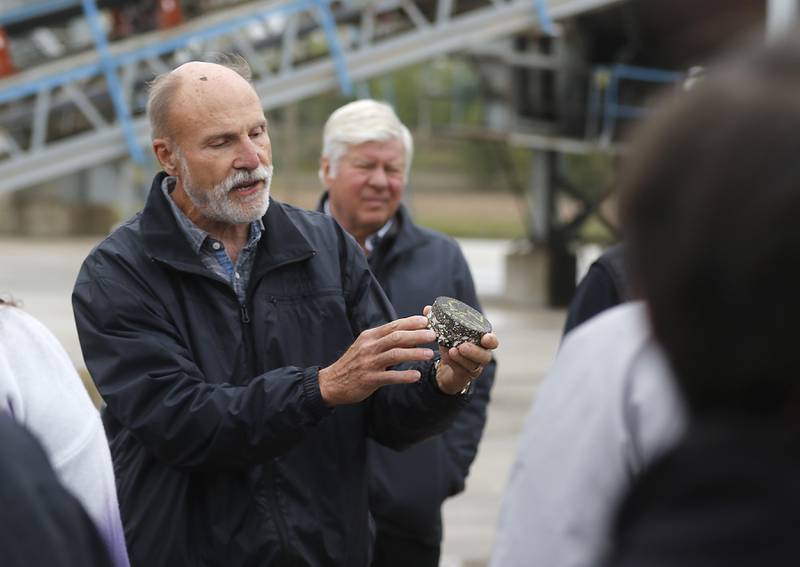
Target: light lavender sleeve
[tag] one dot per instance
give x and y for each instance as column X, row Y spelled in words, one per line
column 41, row 390
column 606, row 409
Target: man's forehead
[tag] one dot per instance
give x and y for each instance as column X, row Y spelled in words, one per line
column 214, row 101
column 392, row 149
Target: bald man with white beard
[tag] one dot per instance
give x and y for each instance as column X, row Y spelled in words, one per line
column 243, row 347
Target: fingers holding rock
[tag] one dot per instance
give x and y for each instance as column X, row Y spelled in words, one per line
column 363, row 367
column 405, row 339
column 489, row 341
column 413, row 323
column 401, row 354
column 469, row 356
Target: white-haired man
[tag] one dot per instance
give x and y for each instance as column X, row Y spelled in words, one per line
column 241, row 346
column 364, row 167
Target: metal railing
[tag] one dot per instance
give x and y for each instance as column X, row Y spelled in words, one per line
column 604, row 102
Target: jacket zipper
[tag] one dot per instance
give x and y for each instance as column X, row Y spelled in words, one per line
column 270, row 472
column 271, row 487
column 277, row 513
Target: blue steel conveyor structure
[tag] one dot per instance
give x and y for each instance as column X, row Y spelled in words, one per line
column 86, row 109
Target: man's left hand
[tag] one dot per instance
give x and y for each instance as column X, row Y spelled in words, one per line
column 462, row 364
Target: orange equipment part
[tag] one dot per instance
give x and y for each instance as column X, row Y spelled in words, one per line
column 121, row 25
column 169, row 14
column 6, row 64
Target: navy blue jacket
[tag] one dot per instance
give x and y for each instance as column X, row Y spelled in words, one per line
column 605, row 285
column 224, row 451
column 414, row 266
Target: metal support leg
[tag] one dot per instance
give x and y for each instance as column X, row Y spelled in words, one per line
column 540, row 197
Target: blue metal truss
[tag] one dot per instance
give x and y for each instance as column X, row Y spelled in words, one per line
column 302, row 48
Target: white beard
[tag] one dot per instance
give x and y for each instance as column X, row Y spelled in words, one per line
column 221, row 203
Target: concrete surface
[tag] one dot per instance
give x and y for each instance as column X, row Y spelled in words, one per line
column 41, row 272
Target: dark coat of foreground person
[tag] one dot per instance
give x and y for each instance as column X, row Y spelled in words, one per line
column 727, row 495
column 41, row 522
column 605, row 285
column 225, row 452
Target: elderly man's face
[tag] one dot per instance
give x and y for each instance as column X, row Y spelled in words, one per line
column 368, row 186
column 222, row 153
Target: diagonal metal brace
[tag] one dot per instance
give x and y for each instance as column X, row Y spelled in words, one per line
column 114, row 87
column 337, row 53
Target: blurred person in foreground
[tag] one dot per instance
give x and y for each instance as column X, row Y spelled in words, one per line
column 40, row 389
column 41, row 522
column 605, row 410
column 611, row 399
column 711, row 203
column 365, row 163
column 241, row 346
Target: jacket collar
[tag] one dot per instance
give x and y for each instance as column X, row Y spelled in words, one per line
column 405, row 235
column 281, row 243
column 408, row 235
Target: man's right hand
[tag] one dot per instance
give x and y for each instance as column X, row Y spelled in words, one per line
column 363, row 368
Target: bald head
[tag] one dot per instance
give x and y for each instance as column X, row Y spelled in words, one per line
column 210, row 135
column 190, row 86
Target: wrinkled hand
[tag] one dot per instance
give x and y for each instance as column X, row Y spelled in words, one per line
column 363, row 368
column 464, row 363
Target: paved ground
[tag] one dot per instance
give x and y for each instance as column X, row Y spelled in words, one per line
column 529, row 340
column 41, row 274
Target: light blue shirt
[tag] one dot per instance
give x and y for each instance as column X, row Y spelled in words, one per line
column 212, row 251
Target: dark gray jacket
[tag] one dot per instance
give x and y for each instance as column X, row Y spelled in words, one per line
column 224, row 451
column 415, row 265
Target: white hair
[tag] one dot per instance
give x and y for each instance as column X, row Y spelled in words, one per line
column 359, row 122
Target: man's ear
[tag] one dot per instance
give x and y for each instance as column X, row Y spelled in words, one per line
column 165, row 154
column 324, row 170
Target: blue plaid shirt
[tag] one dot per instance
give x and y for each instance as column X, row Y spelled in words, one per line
column 212, row 251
